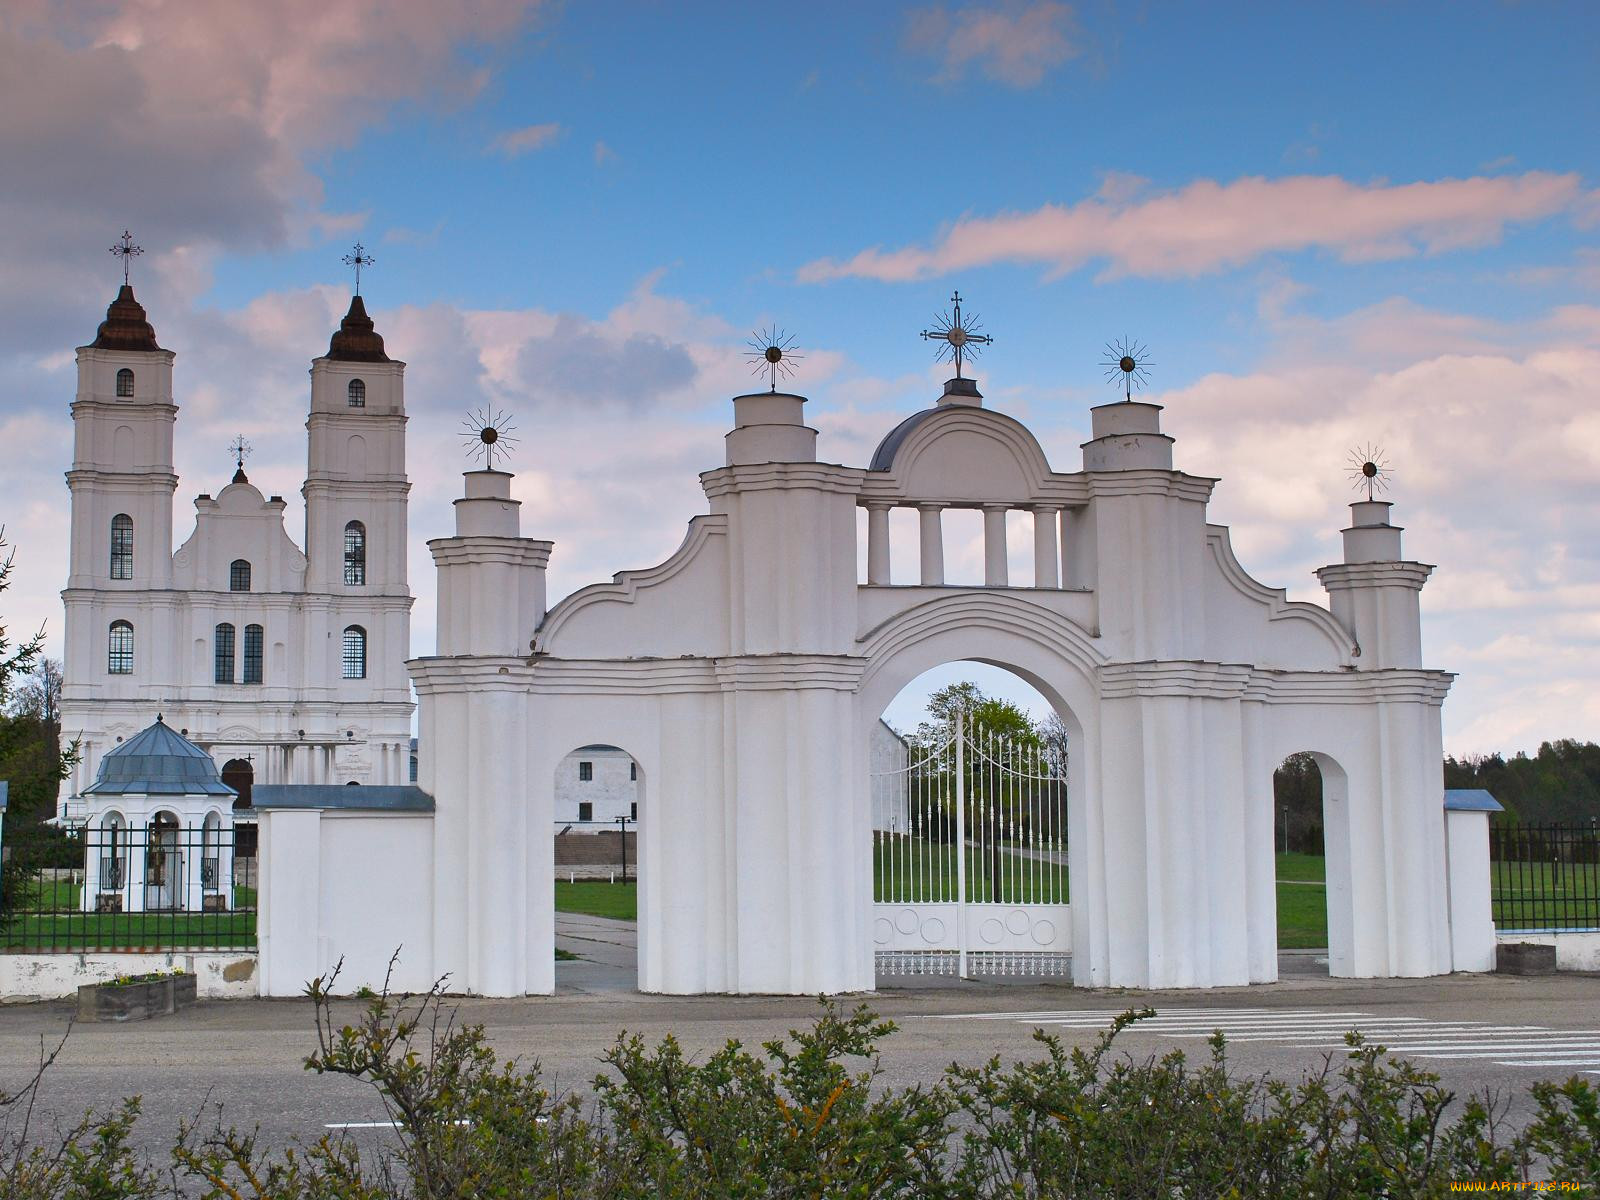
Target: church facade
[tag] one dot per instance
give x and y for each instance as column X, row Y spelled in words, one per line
column 283, row 661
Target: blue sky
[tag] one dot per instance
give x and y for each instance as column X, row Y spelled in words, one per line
column 1331, row 223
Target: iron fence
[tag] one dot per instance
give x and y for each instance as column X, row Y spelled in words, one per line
column 1545, row 876
column 140, row 888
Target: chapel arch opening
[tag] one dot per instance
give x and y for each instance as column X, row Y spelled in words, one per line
column 1311, row 823
column 599, row 812
column 967, row 795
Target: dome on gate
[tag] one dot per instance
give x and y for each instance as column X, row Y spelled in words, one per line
column 158, row 761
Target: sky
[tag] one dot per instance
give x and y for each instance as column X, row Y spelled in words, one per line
column 1334, row 225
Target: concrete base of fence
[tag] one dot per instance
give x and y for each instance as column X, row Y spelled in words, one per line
column 1576, row 950
column 1525, row 958
column 136, row 1001
column 226, row 975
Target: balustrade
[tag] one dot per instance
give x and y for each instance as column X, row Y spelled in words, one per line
column 1058, row 559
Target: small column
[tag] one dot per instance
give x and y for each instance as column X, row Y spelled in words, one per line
column 932, row 544
column 1046, row 529
column 995, row 573
column 878, row 542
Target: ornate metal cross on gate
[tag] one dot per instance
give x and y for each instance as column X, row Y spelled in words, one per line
column 125, row 250
column 959, row 334
column 358, row 258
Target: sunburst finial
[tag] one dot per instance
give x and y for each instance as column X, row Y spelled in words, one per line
column 1369, row 469
column 1130, row 360
column 772, row 351
column 488, row 433
column 958, row 333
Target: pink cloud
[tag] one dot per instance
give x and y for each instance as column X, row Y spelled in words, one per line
column 517, row 142
column 1207, row 226
column 1016, row 44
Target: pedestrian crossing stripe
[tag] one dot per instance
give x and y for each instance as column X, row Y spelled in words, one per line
column 1325, row 1029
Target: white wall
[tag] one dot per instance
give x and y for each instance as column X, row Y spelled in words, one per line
column 221, row 975
column 356, row 885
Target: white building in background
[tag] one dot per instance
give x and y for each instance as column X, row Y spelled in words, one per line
column 597, row 783
column 285, row 663
column 888, row 761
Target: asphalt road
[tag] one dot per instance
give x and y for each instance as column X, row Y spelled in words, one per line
column 1477, row 1032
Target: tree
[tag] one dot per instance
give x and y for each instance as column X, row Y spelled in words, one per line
column 31, row 759
column 1005, row 757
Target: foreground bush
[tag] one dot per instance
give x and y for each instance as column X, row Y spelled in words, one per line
column 810, row 1117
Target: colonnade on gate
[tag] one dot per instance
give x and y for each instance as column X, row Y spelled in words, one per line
column 744, row 673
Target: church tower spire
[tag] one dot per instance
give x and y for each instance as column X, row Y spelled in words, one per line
column 355, row 492
column 123, row 419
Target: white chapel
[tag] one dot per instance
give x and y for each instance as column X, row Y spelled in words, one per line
column 284, row 662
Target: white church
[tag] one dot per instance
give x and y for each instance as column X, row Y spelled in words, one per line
column 285, row 662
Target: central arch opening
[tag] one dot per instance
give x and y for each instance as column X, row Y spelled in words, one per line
column 968, row 804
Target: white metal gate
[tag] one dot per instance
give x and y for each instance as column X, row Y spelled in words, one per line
column 997, row 906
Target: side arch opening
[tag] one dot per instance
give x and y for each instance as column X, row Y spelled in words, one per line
column 1311, row 822
column 599, row 799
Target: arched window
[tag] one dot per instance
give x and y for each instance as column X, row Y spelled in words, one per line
column 124, row 382
column 355, row 652
column 119, row 649
column 122, row 546
column 355, row 554
column 252, row 654
column 239, row 575
column 222, row 645
column 357, row 393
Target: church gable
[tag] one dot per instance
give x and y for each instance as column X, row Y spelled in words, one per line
column 239, row 526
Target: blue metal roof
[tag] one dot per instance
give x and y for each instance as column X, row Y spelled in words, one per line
column 158, row 761
column 1470, row 800
column 386, row 797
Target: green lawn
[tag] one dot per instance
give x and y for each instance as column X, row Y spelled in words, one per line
column 1541, row 895
column 52, row 922
column 620, row 901
column 906, row 868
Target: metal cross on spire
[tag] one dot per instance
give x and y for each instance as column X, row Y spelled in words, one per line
column 358, row 258
column 125, row 250
column 959, row 334
column 240, row 449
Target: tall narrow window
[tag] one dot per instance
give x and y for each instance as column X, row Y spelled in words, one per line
column 119, row 649
column 239, row 575
column 222, row 652
column 355, row 652
column 355, row 554
column 124, row 382
column 633, row 770
column 252, row 654
column 585, row 810
column 357, row 393
column 585, row 772
column 122, row 546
